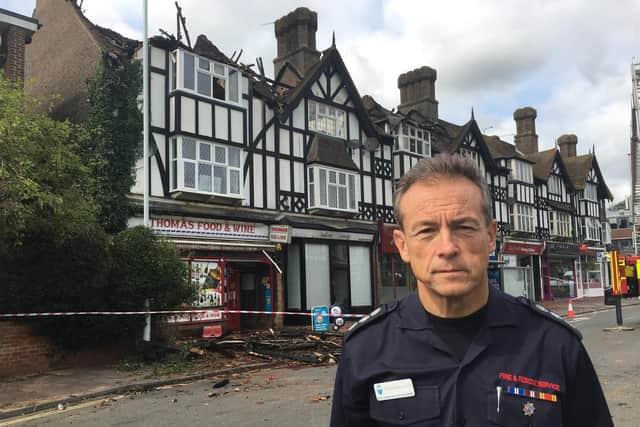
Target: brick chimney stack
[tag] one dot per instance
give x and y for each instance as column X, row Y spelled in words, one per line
column 418, row 91
column 15, row 33
column 526, row 138
column 296, row 38
column 567, row 145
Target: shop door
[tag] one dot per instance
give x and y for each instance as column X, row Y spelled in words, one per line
column 232, row 293
column 517, row 281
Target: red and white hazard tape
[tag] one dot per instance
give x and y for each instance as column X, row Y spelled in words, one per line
column 135, row 313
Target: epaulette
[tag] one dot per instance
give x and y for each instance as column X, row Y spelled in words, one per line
column 551, row 315
column 370, row 319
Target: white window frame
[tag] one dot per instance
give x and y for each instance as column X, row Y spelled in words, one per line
column 319, row 191
column 231, row 172
column 521, row 171
column 591, row 192
column 412, row 139
column 522, row 218
column 555, row 184
column 327, row 119
column 591, row 228
column 216, row 70
column 560, row 223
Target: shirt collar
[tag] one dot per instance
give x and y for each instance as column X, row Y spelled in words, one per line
column 413, row 316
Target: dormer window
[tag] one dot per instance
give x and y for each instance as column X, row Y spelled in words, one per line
column 204, row 77
column 327, row 119
column 412, row 139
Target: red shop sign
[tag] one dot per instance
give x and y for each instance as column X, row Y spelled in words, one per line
column 514, row 248
column 387, row 245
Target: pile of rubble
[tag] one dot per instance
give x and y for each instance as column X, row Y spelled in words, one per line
column 297, row 345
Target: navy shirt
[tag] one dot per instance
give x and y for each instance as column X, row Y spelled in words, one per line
column 539, row 365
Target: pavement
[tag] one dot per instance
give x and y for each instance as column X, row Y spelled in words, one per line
column 27, row 394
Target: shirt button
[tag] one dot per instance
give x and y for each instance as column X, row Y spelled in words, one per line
column 401, row 415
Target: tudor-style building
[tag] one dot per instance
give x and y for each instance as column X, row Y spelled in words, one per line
column 592, row 228
column 238, row 155
column 556, row 216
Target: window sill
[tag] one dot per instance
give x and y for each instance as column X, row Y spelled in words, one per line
column 205, row 197
column 332, row 212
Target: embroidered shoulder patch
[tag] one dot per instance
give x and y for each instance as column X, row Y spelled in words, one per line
column 545, row 312
column 370, row 319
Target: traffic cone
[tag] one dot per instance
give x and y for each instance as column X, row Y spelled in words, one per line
column 570, row 313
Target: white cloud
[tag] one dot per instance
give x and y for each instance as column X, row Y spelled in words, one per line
column 569, row 60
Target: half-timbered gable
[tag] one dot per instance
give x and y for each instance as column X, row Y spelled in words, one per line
column 554, row 195
column 591, row 196
column 325, row 114
column 411, row 134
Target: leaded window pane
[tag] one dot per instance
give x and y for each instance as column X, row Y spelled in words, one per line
column 204, row 84
column 220, row 155
column 189, row 175
column 205, row 152
column 188, row 149
column 323, row 187
column 234, row 157
column 333, row 196
column 204, row 177
column 233, row 86
column 342, row 197
column 234, row 181
column 219, row 179
column 189, row 71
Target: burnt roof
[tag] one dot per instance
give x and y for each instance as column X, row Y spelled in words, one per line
column 330, row 152
column 109, row 40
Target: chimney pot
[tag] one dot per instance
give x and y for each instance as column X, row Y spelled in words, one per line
column 567, row 144
column 418, row 91
column 526, row 138
column 296, row 40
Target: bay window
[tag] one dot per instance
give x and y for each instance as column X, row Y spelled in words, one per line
column 205, row 77
column 204, row 167
column 332, row 189
column 327, row 119
column 412, row 139
column 591, row 228
column 591, row 192
column 560, row 223
column 522, row 217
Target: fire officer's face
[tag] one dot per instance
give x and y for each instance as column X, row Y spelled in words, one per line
column 445, row 237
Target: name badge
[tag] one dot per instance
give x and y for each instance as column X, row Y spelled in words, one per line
column 397, row 389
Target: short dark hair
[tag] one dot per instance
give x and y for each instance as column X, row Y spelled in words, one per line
column 431, row 169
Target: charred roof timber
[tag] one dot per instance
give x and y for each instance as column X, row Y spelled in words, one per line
column 526, row 138
column 418, row 92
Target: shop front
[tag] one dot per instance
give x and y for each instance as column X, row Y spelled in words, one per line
column 591, row 276
column 232, row 264
column 396, row 278
column 521, row 271
column 559, row 270
column 326, row 267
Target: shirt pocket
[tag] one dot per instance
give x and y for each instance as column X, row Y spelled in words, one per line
column 512, row 411
column 421, row 410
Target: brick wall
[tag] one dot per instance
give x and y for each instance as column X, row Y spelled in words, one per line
column 14, row 66
column 21, row 351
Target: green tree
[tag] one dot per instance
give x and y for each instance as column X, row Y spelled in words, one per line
column 42, row 176
column 115, row 120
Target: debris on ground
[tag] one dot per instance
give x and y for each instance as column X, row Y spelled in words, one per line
column 222, row 383
column 289, row 345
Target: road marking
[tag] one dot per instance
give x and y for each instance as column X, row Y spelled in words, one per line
column 578, row 319
column 57, row 411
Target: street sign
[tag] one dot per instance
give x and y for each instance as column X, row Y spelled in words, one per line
column 320, row 318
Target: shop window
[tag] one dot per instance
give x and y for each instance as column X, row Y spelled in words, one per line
column 340, row 274
column 360, row 274
column 397, row 280
column 293, row 277
column 317, row 274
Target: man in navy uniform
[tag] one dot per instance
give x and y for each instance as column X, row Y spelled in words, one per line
column 458, row 352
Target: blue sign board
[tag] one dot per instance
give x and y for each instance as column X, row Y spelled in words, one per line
column 320, row 318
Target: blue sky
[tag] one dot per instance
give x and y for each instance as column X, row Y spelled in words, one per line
column 569, row 59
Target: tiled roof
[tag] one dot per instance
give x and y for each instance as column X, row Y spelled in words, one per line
column 330, row 152
column 543, row 163
column 578, row 168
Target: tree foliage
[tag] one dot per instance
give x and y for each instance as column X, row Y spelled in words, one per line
column 42, row 177
column 115, row 120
